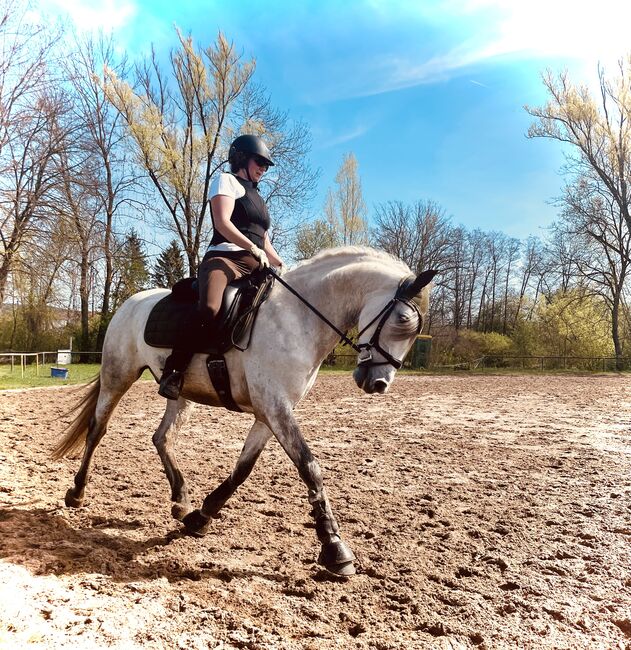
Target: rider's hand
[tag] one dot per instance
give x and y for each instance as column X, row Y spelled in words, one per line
column 260, row 256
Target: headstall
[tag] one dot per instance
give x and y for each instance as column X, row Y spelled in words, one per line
column 373, row 342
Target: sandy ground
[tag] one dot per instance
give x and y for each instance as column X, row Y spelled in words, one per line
column 486, row 512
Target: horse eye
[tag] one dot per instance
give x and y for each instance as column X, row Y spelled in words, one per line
column 404, row 318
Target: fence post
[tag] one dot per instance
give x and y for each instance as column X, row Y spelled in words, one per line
column 541, row 364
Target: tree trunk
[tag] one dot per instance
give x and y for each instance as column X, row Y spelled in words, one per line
column 84, row 294
column 615, row 330
column 7, row 262
column 4, row 275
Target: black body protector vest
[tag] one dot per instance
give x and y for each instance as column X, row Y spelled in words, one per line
column 250, row 216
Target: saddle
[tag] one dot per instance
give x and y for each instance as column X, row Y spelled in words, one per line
column 239, row 308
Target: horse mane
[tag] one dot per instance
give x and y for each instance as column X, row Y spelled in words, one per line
column 339, row 252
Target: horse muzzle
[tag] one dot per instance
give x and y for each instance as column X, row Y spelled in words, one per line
column 370, row 381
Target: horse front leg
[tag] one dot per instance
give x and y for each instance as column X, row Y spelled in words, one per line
column 197, row 521
column 335, row 555
column 176, row 415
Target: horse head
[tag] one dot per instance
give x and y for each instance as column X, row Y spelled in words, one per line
column 388, row 331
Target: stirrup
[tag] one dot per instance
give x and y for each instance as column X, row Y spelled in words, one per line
column 171, row 385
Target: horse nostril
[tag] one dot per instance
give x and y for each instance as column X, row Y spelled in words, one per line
column 381, row 385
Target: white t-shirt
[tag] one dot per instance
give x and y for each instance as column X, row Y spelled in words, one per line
column 225, row 185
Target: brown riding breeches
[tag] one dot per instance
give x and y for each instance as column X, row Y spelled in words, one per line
column 217, row 270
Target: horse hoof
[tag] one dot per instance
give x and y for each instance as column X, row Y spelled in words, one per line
column 71, row 500
column 196, row 523
column 337, row 558
column 346, row 569
column 180, row 510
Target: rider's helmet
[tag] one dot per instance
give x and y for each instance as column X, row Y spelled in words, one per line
column 245, row 147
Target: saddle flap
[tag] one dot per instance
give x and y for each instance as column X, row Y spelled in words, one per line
column 239, row 307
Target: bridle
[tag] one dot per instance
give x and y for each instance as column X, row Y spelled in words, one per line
column 373, row 343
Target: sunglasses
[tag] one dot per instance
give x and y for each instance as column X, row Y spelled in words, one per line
column 261, row 162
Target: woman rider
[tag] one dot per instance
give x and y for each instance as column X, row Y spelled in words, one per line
column 239, row 245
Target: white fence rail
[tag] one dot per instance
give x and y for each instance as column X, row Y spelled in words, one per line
column 20, row 359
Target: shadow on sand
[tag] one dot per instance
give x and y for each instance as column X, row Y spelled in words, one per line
column 44, row 542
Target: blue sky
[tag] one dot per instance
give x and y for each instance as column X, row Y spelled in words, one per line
column 428, row 95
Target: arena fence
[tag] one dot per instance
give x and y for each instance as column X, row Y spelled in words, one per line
column 20, row 360
column 541, row 363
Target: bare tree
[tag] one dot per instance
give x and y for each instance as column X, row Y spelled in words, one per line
column 28, row 179
column 114, row 181
column 77, row 203
column 27, row 136
column 561, row 265
column 531, row 269
column 24, row 49
column 418, row 234
column 475, row 246
column 345, row 209
column 592, row 217
column 512, row 248
column 182, row 124
column 598, row 128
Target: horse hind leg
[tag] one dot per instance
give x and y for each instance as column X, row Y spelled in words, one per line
column 90, row 425
column 197, row 521
column 176, row 415
column 75, row 495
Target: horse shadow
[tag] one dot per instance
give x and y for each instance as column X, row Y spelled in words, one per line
column 45, row 543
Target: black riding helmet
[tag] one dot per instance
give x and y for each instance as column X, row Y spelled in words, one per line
column 250, row 145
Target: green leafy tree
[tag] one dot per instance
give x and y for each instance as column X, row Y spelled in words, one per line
column 313, row 237
column 575, row 323
column 169, row 267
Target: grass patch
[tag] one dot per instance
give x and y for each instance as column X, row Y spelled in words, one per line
column 81, row 373
column 78, row 373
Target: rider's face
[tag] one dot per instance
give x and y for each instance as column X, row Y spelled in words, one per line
column 257, row 167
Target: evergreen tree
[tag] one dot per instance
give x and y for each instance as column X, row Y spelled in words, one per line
column 169, row 267
column 133, row 274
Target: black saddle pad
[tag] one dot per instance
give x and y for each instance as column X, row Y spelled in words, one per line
column 170, row 315
column 167, row 321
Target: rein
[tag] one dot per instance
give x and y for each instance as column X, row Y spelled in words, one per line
column 374, row 339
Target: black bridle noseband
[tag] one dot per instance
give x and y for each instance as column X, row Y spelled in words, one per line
column 373, row 343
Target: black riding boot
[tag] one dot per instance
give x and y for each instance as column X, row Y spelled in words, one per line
column 172, row 378
column 192, row 339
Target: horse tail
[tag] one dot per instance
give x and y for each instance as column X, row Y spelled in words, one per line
column 75, row 436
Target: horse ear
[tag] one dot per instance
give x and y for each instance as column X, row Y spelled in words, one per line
column 421, row 280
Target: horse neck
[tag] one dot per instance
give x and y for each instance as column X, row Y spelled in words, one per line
column 339, row 288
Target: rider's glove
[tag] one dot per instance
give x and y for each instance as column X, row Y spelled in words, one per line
column 260, row 256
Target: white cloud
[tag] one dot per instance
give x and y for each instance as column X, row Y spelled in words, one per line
column 501, row 29
column 91, row 15
column 324, row 140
